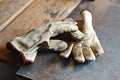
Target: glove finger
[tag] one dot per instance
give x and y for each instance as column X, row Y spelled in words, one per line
column 77, row 35
column 97, row 48
column 67, row 52
column 56, row 45
column 67, row 25
column 77, row 52
column 87, row 52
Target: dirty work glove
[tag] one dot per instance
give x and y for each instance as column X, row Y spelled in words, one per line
column 28, row 44
column 90, row 47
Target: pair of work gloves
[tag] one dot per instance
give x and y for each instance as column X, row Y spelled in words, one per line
column 84, row 45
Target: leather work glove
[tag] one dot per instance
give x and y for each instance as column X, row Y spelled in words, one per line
column 89, row 47
column 28, row 44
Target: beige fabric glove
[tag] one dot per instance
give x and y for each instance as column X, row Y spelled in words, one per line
column 28, row 44
column 90, row 47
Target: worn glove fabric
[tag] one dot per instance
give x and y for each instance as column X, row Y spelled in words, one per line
column 28, row 44
column 90, row 46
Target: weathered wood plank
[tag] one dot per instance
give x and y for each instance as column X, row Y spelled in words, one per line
column 38, row 14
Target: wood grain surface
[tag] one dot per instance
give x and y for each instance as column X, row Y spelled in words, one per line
column 38, row 14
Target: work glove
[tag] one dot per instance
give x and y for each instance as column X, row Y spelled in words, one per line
column 89, row 47
column 28, row 44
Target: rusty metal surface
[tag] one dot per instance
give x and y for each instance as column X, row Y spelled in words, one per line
column 106, row 21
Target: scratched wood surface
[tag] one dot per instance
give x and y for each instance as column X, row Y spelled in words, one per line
column 38, row 14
